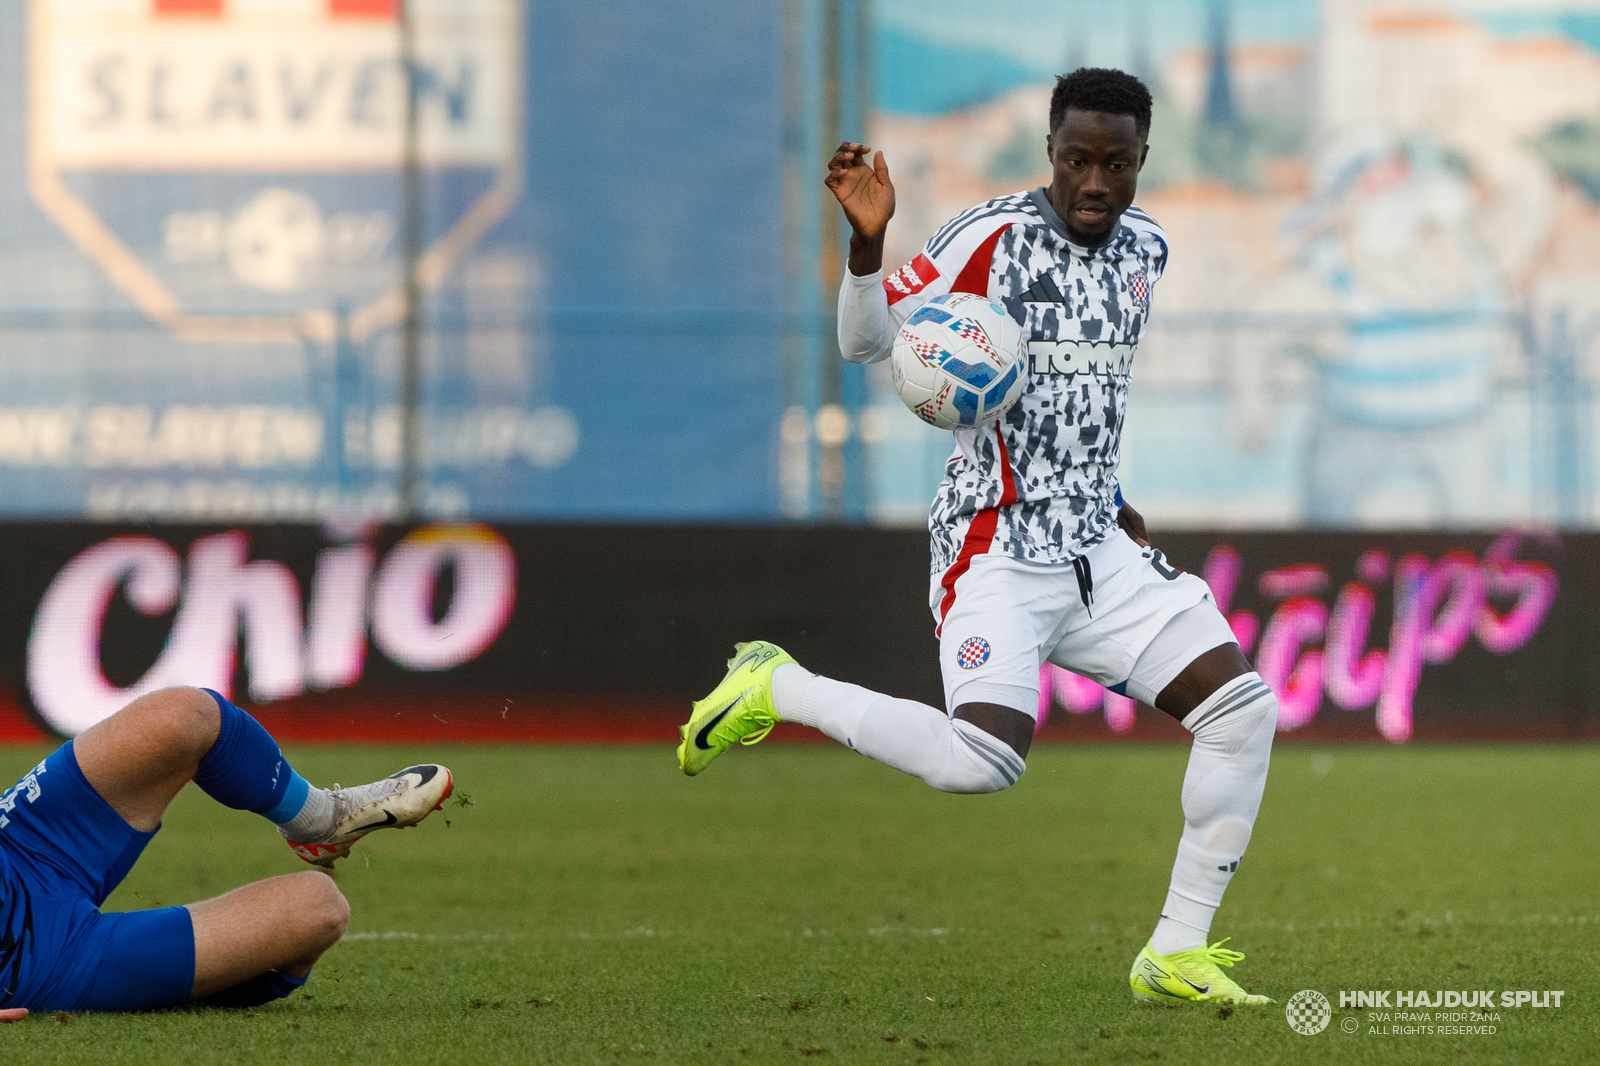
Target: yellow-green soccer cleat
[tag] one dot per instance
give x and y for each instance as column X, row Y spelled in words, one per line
column 1193, row 976
column 739, row 709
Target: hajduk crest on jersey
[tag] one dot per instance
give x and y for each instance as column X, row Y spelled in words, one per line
column 1139, row 288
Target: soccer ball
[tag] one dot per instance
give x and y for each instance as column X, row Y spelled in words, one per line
column 959, row 361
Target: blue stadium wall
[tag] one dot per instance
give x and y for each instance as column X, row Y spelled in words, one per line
column 662, row 226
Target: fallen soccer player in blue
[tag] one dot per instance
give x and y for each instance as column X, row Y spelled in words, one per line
column 73, row 827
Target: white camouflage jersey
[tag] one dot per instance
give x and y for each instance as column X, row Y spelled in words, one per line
column 1040, row 484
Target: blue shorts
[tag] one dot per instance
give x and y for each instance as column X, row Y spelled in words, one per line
column 63, row 849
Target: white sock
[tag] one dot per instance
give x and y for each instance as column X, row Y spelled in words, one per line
column 950, row 755
column 1233, row 731
column 788, row 689
column 314, row 819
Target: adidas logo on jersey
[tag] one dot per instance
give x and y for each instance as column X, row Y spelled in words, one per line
column 1044, row 290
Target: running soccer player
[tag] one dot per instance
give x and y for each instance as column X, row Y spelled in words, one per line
column 73, row 827
column 1035, row 556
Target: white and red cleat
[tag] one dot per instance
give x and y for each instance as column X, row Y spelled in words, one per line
column 397, row 801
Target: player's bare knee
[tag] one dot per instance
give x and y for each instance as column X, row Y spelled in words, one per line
column 336, row 914
column 322, row 907
column 185, row 718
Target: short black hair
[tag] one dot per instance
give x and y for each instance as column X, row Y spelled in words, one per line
column 1114, row 92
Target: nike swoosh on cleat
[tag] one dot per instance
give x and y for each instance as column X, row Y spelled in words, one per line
column 701, row 738
column 1202, row 989
column 389, row 819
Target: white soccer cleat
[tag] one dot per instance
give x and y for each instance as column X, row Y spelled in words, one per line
column 399, row 800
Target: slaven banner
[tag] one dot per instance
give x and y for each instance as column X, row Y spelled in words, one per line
column 480, row 632
column 209, row 219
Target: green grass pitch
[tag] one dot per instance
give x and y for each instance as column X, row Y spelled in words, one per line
column 800, row 903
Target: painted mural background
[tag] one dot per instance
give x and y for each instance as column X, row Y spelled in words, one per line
column 1384, row 294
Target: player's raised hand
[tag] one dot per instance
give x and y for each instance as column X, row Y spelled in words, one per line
column 863, row 189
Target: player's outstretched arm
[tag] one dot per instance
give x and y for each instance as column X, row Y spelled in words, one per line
column 13, row 1014
column 867, row 196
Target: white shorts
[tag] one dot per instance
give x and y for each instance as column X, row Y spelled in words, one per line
column 1120, row 615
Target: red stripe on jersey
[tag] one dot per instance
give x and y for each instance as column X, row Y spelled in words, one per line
column 1008, row 482
column 911, row 278
column 980, row 534
column 974, row 277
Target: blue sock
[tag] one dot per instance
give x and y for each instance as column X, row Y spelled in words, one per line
column 257, row 990
column 245, row 770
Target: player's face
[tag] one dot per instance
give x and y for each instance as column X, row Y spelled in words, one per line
column 1096, row 160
